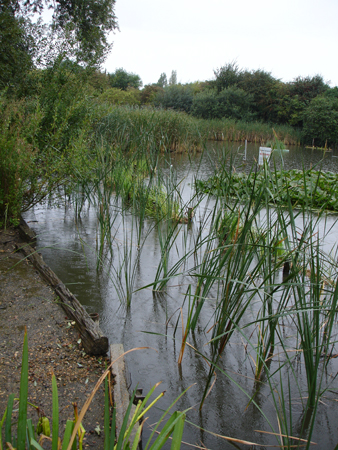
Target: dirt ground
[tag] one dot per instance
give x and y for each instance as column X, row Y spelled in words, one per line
column 53, row 343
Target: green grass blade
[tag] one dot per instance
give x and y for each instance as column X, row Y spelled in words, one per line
column 167, row 430
column 113, row 430
column 1, row 424
column 119, row 444
column 30, row 431
column 8, row 424
column 55, row 435
column 106, row 416
column 178, row 433
column 23, row 398
column 36, row 444
column 68, row 433
column 137, row 438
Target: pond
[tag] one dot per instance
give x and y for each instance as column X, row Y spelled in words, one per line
column 69, row 248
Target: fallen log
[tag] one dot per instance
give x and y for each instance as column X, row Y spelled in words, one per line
column 92, row 338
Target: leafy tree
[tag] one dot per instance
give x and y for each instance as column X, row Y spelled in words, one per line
column 98, row 80
column 173, row 78
column 121, row 79
column 321, row 121
column 226, row 76
column 85, row 23
column 16, row 48
column 293, row 98
column 149, row 93
column 232, row 103
column 258, row 83
column 331, row 93
column 119, row 97
column 162, row 81
column 176, row 96
column 290, row 110
column 205, row 104
column 308, row 88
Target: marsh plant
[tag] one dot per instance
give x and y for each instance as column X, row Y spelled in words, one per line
column 25, row 434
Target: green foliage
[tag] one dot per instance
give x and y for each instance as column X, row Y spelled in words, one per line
column 176, row 96
column 271, row 100
column 26, row 435
column 16, row 49
column 239, row 131
column 84, row 25
column 162, row 81
column 227, row 76
column 258, row 84
column 149, row 93
column 121, row 79
column 307, row 88
column 321, row 121
column 117, row 96
column 173, row 78
column 231, row 103
column 65, row 100
column 19, row 126
column 147, row 129
column 315, row 189
column 98, row 80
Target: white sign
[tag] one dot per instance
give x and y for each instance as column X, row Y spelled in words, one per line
column 264, row 153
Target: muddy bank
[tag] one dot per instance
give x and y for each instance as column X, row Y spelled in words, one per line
column 54, row 344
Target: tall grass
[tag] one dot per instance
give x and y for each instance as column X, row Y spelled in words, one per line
column 237, row 131
column 133, row 128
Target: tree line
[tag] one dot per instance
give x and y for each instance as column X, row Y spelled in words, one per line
column 38, row 59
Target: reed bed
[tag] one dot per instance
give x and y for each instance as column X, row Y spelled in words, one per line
column 236, row 131
column 153, row 130
column 247, row 250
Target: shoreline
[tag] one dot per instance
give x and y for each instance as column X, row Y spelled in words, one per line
column 54, row 345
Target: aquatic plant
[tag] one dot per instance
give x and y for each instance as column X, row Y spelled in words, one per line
column 27, row 435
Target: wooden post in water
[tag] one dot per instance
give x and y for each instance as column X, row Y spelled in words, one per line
column 190, row 214
column 245, row 148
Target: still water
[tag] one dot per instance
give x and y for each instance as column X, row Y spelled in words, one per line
column 69, row 248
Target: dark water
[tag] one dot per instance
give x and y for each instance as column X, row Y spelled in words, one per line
column 69, row 247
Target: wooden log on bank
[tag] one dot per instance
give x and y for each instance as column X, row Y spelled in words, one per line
column 92, row 338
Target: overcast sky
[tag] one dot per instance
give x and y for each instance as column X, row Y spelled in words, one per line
column 288, row 38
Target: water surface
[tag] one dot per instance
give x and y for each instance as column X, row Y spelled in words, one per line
column 68, row 246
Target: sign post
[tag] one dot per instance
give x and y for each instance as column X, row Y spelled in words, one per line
column 264, row 154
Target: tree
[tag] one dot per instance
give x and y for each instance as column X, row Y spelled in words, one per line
column 16, row 46
column 320, row 122
column 173, row 78
column 149, row 93
column 84, row 24
column 119, row 97
column 230, row 103
column 308, row 88
column 122, row 79
column 258, row 83
column 162, row 81
column 175, row 96
column 226, row 76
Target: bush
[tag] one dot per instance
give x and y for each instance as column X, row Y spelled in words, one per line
column 231, row 103
column 176, row 96
column 320, row 122
column 19, row 125
column 119, row 97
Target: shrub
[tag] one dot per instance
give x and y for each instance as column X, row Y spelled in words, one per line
column 19, row 125
column 320, row 122
column 117, row 96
